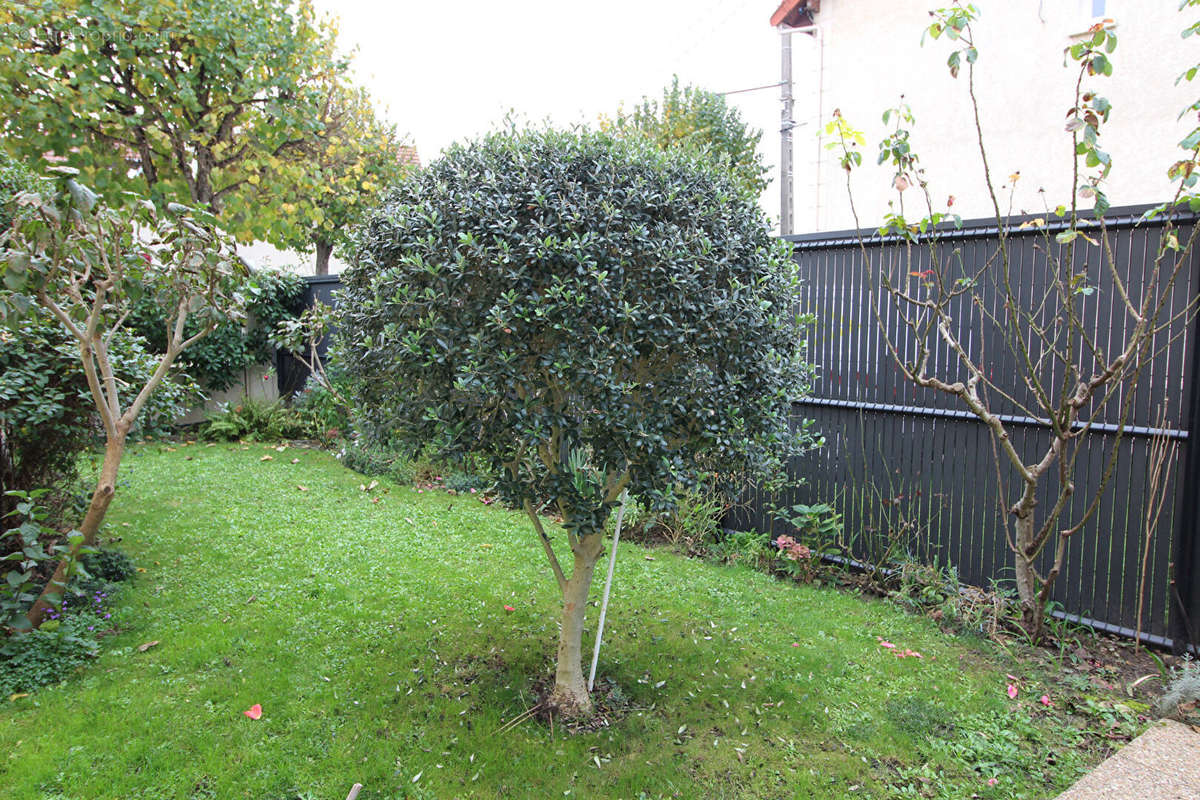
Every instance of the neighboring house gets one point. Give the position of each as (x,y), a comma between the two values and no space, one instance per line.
(860,56)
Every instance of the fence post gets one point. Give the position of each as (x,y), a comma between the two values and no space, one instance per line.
(1184,595)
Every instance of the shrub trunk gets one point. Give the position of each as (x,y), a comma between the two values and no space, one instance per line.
(106,487)
(570,695)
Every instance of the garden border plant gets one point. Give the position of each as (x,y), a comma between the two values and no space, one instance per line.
(1065,376)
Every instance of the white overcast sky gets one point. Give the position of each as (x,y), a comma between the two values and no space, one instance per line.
(448,71)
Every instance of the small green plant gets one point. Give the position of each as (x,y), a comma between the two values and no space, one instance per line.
(46,655)
(323,410)
(372,459)
(1182,699)
(818,526)
(694,521)
(255,420)
(107,564)
(461,482)
(24,577)
(744,547)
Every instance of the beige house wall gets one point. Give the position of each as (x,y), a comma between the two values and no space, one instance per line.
(867,53)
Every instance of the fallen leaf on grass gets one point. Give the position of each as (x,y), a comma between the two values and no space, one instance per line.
(302,488)
(1012,691)
(295,461)
(254,711)
(267,458)
(146,646)
(649,558)
(509,608)
(12,698)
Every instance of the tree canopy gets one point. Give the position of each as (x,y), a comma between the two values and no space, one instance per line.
(191,102)
(691,117)
(347,168)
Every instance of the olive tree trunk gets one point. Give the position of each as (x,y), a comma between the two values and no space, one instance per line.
(570,695)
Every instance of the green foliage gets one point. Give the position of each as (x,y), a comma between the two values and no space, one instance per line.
(190,102)
(372,459)
(323,410)
(255,420)
(218,360)
(465,482)
(356,157)
(751,548)
(14,179)
(30,558)
(1181,700)
(47,417)
(109,565)
(577,307)
(693,118)
(45,656)
(818,527)
(693,519)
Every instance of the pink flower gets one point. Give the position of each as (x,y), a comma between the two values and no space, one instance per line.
(795,644)
(254,711)
(1045,700)
(1012,691)
(509,608)
(888,645)
(992,781)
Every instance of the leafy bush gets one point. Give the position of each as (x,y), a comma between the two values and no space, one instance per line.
(744,547)
(217,360)
(26,566)
(818,527)
(370,458)
(322,410)
(46,411)
(46,655)
(693,521)
(460,482)
(256,420)
(14,178)
(109,565)
(693,118)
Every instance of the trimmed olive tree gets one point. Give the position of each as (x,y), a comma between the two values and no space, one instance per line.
(594,315)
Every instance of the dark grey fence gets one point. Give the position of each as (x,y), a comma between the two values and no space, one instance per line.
(291,373)
(912,471)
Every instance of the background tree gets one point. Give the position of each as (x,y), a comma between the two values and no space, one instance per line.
(86,264)
(696,118)
(591,314)
(345,170)
(192,102)
(1002,345)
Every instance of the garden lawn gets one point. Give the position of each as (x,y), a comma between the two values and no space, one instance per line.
(372,628)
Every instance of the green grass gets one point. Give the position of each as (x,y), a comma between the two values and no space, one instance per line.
(375,637)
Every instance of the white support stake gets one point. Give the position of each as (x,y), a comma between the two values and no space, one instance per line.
(612,564)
